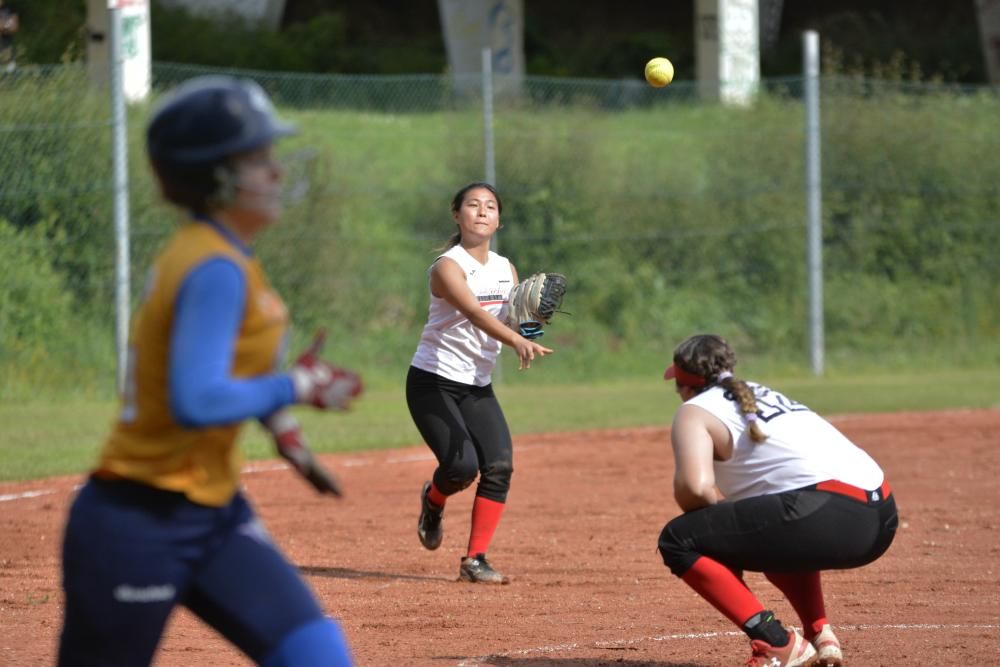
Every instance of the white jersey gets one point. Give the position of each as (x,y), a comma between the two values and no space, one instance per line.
(801,448)
(450,345)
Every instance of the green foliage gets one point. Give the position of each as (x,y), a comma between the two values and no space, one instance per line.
(35,305)
(46,344)
(51,31)
(320,43)
(55,215)
(562,37)
(669,218)
(61,177)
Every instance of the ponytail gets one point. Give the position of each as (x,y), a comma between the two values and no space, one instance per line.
(452,241)
(706,360)
(746,401)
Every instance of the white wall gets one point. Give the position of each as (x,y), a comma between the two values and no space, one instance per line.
(267,13)
(727,50)
(469,26)
(136,47)
(988,12)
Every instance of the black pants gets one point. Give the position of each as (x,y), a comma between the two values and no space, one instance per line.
(465,428)
(795,531)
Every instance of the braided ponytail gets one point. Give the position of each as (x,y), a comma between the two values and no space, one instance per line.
(747,402)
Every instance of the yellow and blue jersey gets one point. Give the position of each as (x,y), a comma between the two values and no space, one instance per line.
(152,443)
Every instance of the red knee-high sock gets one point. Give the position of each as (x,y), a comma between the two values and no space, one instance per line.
(435,496)
(720,586)
(485,517)
(805,592)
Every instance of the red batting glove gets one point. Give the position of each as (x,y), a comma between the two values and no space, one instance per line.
(320,384)
(292,446)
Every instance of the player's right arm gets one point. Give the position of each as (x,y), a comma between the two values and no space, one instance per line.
(694,451)
(448,282)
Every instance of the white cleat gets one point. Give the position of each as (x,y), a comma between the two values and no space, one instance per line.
(827,647)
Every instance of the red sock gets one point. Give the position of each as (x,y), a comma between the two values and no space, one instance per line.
(805,592)
(485,517)
(435,496)
(723,589)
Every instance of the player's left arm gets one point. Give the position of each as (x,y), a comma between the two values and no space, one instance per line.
(207,316)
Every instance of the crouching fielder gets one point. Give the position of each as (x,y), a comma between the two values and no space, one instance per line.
(766,485)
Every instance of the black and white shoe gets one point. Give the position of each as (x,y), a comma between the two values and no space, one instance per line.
(429,524)
(477,570)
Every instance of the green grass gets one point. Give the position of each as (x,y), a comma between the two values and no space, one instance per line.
(40,439)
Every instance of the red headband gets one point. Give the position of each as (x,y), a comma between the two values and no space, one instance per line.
(674,372)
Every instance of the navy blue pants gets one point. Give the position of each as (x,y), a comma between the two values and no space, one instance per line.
(466,429)
(796,531)
(131,553)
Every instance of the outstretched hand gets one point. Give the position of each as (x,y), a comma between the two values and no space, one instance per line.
(527,349)
(321,384)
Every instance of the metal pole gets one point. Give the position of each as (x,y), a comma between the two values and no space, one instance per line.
(120,172)
(814,198)
(489,167)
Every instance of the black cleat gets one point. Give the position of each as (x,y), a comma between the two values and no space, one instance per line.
(477,570)
(429,525)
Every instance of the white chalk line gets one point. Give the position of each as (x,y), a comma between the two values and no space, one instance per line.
(27,494)
(254,468)
(265,467)
(612,643)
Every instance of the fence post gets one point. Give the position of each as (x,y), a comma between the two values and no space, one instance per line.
(120,171)
(814,198)
(489,158)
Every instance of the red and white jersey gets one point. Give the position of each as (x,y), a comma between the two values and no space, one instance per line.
(450,345)
(801,448)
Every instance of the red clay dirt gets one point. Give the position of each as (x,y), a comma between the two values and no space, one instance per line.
(579,539)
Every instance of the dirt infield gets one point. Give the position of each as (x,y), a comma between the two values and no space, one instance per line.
(578,538)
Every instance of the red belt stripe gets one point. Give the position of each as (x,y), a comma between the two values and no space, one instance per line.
(833,486)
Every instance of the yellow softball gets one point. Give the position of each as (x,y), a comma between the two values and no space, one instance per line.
(659,72)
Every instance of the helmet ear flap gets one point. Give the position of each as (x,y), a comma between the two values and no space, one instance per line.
(227,182)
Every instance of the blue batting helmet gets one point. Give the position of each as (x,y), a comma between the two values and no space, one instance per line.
(209,118)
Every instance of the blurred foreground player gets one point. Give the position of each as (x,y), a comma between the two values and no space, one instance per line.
(161,520)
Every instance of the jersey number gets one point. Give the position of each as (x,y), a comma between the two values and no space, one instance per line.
(771,404)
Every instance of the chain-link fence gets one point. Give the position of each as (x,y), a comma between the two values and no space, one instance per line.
(670,215)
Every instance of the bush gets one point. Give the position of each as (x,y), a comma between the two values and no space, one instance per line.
(45,342)
(668,218)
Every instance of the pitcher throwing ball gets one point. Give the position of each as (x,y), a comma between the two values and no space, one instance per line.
(449,388)
(766,485)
